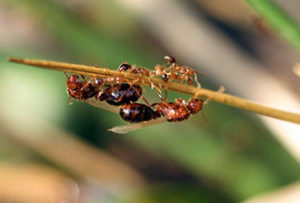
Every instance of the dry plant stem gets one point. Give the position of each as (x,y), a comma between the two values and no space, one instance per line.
(142,80)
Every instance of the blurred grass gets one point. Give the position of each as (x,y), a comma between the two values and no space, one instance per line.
(283,24)
(233,156)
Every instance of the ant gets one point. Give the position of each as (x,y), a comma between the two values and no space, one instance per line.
(180,73)
(143,72)
(140,71)
(80,90)
(116,94)
(179,110)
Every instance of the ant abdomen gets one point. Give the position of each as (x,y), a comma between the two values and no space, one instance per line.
(136,112)
(173,111)
(119,94)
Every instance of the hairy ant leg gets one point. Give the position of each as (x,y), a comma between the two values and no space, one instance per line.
(196,80)
(220,90)
(143,98)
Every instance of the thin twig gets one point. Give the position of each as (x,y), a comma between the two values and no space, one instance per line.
(143,80)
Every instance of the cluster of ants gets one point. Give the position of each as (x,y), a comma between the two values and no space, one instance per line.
(116,91)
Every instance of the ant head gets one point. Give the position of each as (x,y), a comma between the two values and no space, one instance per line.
(195,105)
(170,59)
(73,79)
(124,67)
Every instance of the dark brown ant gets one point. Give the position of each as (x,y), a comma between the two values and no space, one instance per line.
(136,112)
(80,90)
(117,91)
(119,94)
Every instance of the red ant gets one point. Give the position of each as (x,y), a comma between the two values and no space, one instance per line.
(140,71)
(179,110)
(181,73)
(80,90)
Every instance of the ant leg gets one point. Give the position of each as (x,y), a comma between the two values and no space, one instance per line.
(160,95)
(70,101)
(158,90)
(196,80)
(166,95)
(220,90)
(87,83)
(143,98)
(204,116)
(66,74)
(84,78)
(172,66)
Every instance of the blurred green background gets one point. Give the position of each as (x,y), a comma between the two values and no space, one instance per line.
(232,157)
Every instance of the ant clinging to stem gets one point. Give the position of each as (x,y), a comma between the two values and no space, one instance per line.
(173,72)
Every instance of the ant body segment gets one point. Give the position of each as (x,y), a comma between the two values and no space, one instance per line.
(119,94)
(136,112)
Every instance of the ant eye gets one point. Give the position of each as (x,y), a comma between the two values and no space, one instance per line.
(124,67)
(165,77)
(98,81)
